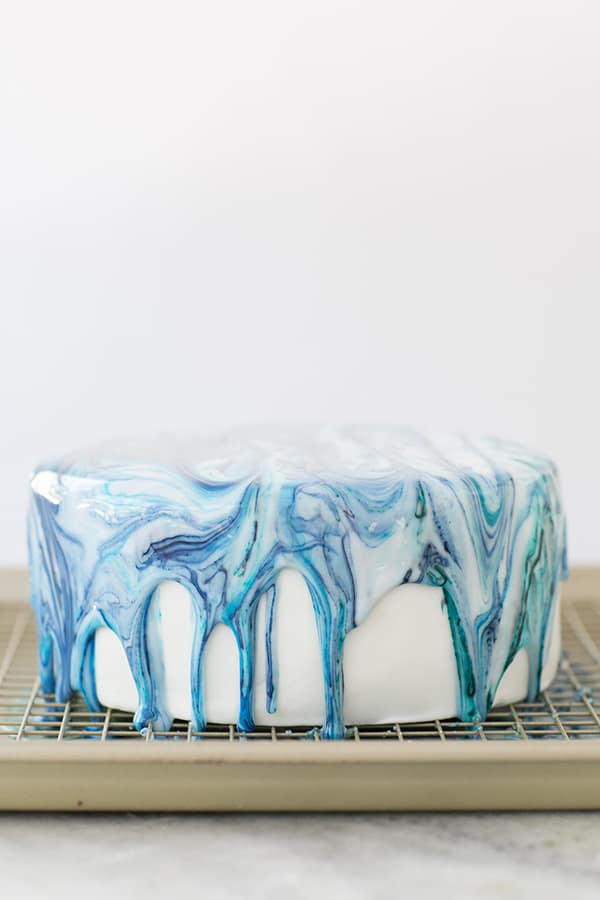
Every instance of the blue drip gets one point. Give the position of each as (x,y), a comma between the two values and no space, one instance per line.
(271,677)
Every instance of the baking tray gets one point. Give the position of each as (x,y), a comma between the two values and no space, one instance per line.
(540,755)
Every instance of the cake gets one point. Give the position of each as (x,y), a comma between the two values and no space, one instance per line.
(298,577)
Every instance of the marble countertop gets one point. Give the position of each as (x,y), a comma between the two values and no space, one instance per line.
(475,855)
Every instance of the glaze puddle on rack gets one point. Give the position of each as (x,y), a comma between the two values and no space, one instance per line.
(537,755)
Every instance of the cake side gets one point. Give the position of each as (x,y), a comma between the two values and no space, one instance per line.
(356,513)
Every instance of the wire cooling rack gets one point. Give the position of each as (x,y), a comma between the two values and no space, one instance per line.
(567,711)
(538,755)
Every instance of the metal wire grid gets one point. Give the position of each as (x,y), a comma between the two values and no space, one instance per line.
(567,711)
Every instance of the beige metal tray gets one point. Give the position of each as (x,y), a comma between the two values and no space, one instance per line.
(540,755)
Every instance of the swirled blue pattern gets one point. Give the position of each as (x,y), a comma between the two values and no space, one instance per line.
(357,511)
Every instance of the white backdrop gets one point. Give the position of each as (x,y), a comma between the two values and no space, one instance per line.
(226,212)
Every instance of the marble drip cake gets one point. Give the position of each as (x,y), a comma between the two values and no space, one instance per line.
(325,577)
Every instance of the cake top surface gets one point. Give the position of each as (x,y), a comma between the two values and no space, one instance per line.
(295,453)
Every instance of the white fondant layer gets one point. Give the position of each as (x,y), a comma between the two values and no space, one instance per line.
(399,663)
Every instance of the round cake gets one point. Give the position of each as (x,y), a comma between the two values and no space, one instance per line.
(325,577)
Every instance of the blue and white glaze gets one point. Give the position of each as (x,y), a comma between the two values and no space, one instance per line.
(357,511)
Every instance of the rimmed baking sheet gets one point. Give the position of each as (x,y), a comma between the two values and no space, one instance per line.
(539,755)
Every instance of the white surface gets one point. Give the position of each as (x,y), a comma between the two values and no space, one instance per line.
(327,210)
(367,857)
(399,663)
